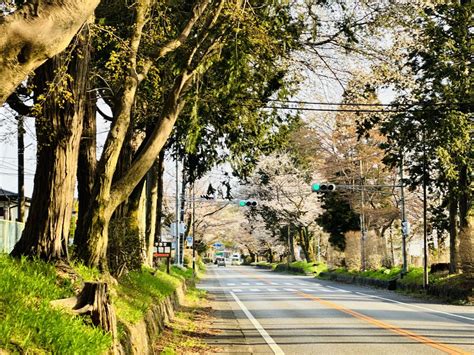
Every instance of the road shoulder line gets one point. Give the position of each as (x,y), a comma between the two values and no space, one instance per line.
(268,339)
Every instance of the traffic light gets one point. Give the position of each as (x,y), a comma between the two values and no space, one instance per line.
(322,187)
(247,203)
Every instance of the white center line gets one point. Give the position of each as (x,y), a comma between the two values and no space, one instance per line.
(254,290)
(260,284)
(289,289)
(237,290)
(269,340)
(275,283)
(230,284)
(288,283)
(307,290)
(245,284)
(272,289)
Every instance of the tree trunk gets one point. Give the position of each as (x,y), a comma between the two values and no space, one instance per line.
(453,232)
(159,202)
(94,300)
(59,130)
(466,217)
(151,211)
(86,166)
(37,31)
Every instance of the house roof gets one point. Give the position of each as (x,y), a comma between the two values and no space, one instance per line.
(6,195)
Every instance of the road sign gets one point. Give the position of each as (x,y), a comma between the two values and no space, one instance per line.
(163,250)
(181,228)
(406,227)
(189,240)
(217,245)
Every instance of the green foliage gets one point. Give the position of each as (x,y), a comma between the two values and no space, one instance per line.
(28,323)
(302,267)
(338,218)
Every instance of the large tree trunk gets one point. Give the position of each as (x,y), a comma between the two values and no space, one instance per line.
(37,31)
(151,211)
(453,232)
(466,217)
(159,202)
(87,163)
(58,132)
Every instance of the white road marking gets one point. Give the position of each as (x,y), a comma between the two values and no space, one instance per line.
(414,305)
(237,290)
(323,290)
(269,340)
(288,283)
(302,284)
(230,284)
(289,289)
(307,290)
(272,290)
(254,290)
(260,284)
(338,289)
(275,283)
(245,284)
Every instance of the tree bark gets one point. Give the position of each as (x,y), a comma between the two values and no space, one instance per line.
(159,202)
(151,211)
(87,163)
(37,31)
(466,218)
(59,130)
(453,231)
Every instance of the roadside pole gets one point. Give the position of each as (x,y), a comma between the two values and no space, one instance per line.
(194,232)
(425,226)
(362,217)
(404,221)
(177,237)
(289,253)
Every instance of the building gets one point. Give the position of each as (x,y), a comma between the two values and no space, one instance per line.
(9,205)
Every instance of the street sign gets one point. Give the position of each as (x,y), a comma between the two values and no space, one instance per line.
(189,240)
(406,227)
(181,228)
(217,245)
(163,250)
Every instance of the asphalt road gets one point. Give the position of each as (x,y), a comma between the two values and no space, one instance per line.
(260,311)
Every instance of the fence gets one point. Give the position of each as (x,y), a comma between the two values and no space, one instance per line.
(10,233)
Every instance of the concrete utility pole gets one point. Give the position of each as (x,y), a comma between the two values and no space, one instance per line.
(177,250)
(21,170)
(404,221)
(425,226)
(362,216)
(194,231)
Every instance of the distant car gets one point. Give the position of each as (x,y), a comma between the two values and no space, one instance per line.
(221,262)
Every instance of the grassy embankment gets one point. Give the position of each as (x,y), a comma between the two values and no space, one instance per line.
(452,288)
(28,322)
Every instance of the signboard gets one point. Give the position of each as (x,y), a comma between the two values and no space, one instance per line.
(189,240)
(163,250)
(167,238)
(217,245)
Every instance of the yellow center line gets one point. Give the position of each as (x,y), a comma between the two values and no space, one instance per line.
(406,333)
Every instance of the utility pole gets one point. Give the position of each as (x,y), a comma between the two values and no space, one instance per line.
(362,216)
(181,215)
(21,170)
(289,253)
(177,257)
(404,221)
(425,227)
(194,231)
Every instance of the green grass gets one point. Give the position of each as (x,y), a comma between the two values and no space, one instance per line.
(27,321)
(139,289)
(303,267)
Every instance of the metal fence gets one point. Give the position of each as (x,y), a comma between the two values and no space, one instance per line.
(10,233)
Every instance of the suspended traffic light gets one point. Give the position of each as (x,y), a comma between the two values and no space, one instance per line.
(247,203)
(322,187)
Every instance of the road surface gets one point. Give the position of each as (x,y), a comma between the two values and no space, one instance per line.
(260,311)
